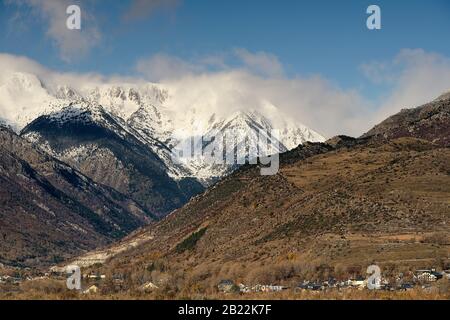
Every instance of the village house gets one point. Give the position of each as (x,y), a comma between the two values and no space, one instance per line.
(359,282)
(313,286)
(426,275)
(331,283)
(270,288)
(94,276)
(57,270)
(243,288)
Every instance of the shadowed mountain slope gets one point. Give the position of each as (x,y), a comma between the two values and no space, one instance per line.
(51,211)
(103,148)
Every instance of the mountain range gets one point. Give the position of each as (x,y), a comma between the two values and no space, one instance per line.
(146,111)
(91,174)
(333,209)
(98,160)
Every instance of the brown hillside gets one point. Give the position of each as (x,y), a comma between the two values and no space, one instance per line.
(337,207)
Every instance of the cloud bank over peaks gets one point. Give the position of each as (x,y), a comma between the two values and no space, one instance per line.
(243,81)
(415,77)
(161,67)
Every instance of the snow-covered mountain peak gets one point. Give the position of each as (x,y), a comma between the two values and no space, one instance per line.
(80,111)
(65,92)
(156,114)
(125,99)
(22,81)
(23,97)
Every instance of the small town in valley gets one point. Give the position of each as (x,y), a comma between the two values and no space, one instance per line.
(425,280)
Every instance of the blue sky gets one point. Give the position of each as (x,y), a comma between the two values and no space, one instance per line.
(303,39)
(326,37)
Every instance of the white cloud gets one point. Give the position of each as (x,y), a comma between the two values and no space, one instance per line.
(414,76)
(314,102)
(162,67)
(257,79)
(72,44)
(260,62)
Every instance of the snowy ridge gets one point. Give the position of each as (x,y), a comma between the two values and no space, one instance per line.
(150,113)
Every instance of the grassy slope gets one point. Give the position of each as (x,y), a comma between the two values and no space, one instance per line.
(332,213)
